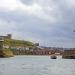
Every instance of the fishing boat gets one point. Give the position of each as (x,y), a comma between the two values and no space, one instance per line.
(53,57)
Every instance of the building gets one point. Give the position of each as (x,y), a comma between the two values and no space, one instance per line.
(69,54)
(5,37)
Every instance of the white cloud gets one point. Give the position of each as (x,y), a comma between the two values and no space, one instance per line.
(46,10)
(12,5)
(8,5)
(70,3)
(35,9)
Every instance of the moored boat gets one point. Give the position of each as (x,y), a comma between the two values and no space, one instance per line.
(53,57)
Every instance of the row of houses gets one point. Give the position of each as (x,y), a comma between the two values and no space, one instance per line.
(36,52)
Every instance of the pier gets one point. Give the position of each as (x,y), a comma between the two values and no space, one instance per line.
(69,54)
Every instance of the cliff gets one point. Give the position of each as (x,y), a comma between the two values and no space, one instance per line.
(6,53)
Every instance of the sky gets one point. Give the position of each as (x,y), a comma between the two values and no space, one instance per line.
(48,22)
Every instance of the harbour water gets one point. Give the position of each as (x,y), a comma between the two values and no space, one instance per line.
(36,65)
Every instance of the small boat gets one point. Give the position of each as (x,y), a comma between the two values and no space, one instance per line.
(53,57)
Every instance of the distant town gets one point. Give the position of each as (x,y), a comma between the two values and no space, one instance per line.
(10,47)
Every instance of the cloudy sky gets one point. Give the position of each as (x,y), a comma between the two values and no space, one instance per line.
(49,22)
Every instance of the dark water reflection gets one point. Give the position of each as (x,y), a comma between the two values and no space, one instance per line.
(36,65)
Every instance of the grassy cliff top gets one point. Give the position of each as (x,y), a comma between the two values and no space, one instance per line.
(18,42)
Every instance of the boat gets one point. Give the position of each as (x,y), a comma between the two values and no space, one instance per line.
(53,57)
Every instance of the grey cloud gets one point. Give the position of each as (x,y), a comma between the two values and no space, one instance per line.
(53,34)
(27,2)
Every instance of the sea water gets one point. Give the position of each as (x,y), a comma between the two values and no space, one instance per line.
(36,65)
